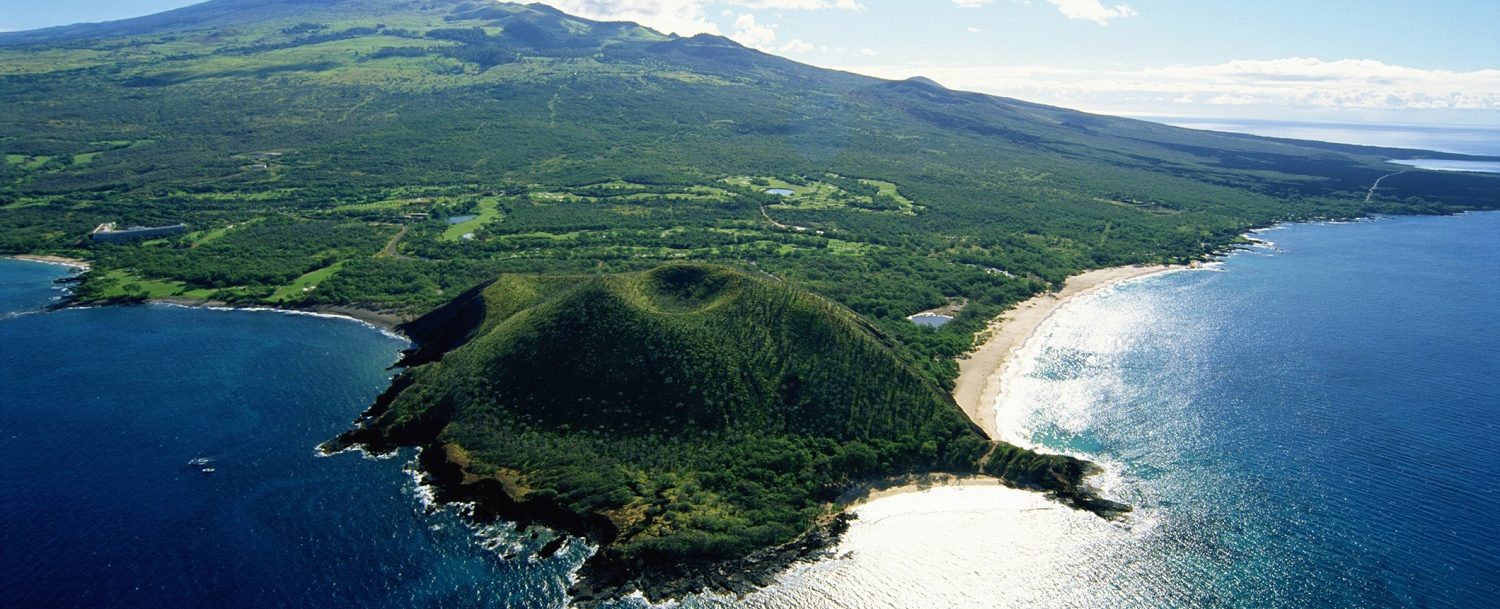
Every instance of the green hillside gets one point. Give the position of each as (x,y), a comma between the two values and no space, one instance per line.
(683,418)
(587,147)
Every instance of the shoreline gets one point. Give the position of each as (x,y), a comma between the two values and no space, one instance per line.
(76,263)
(978,386)
(384,321)
(914,484)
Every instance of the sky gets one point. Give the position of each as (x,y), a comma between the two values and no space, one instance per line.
(1402,61)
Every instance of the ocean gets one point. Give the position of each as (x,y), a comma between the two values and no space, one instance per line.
(112,417)
(1478,140)
(1309,424)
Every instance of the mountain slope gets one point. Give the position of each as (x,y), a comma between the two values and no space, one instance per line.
(215,14)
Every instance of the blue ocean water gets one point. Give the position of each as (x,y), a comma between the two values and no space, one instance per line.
(1442,165)
(27,287)
(1306,425)
(104,412)
(1465,139)
(1313,424)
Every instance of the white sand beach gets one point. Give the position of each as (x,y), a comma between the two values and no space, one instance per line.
(980,372)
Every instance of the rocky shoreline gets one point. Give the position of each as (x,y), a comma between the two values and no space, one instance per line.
(606,576)
(388,321)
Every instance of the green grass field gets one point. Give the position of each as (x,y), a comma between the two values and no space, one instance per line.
(888,189)
(27,161)
(387,204)
(485,212)
(814,194)
(123,284)
(306,283)
(201,237)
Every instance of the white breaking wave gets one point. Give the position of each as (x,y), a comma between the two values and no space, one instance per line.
(362,322)
(358,449)
(964,547)
(1068,365)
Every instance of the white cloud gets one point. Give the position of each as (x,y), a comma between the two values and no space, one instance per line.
(1228,100)
(688,17)
(683,17)
(868,52)
(972,3)
(752,34)
(806,5)
(1357,83)
(1303,83)
(796,46)
(1092,10)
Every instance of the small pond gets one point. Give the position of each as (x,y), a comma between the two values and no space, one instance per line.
(461,219)
(931,320)
(781,192)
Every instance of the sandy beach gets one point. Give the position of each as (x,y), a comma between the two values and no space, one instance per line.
(980,372)
(912,484)
(65,261)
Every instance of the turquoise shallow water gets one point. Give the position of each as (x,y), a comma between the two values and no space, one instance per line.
(1310,424)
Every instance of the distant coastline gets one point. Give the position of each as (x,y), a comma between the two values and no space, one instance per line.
(385,321)
(1474,140)
(1450,165)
